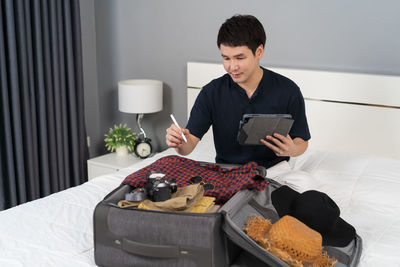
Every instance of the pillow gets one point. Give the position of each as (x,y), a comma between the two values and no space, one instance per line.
(297,180)
(277,169)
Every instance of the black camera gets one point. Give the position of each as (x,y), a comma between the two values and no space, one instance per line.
(158,187)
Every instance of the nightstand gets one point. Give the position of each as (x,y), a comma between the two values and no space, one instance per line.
(109,163)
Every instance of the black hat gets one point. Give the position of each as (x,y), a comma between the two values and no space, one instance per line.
(318,211)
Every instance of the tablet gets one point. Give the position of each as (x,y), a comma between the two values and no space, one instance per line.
(254,127)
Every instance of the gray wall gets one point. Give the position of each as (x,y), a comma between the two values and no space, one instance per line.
(153,39)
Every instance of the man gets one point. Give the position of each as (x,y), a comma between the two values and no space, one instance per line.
(246,88)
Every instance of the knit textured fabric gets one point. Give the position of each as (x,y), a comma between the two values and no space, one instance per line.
(290,240)
(296,238)
(226,181)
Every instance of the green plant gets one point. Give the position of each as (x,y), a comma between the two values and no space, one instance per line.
(120,136)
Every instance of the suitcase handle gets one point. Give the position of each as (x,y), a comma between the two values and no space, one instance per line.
(150,250)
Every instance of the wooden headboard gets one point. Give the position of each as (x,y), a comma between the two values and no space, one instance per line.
(349,112)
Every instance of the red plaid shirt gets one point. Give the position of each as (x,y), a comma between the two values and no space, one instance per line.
(226,181)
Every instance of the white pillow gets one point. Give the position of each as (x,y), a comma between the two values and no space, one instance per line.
(277,169)
(298,180)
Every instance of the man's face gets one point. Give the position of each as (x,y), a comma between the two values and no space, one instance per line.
(240,62)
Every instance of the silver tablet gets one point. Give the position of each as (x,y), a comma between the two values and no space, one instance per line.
(254,127)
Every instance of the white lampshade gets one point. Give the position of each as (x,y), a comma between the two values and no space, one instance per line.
(140,96)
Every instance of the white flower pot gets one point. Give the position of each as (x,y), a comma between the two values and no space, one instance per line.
(122,151)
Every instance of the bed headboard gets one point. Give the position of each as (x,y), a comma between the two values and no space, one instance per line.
(349,112)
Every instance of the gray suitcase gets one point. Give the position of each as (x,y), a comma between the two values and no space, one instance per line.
(133,237)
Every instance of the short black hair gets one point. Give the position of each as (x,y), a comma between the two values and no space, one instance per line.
(242,30)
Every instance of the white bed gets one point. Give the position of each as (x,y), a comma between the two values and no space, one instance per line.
(362,178)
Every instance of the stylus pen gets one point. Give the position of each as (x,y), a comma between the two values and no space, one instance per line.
(176,123)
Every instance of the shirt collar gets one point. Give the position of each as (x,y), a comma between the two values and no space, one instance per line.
(258,90)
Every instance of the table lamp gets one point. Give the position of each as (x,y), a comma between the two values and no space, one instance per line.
(140,97)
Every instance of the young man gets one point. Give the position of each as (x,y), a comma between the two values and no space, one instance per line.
(246,88)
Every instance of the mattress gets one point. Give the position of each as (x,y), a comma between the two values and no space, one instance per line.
(58,230)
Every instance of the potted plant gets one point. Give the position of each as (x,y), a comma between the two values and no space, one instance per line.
(121,139)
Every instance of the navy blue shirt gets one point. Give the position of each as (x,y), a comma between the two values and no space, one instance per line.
(222,103)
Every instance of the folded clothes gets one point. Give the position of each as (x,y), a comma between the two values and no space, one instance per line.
(203,205)
(189,199)
(225,181)
(128,204)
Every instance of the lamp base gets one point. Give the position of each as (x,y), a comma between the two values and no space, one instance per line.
(139,118)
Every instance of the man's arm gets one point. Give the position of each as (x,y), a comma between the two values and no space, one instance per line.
(286,146)
(174,139)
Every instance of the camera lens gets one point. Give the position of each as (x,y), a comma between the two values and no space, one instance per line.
(208,187)
(196,179)
(161,194)
(172,184)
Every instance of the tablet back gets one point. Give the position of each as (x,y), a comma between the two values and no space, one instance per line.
(254,127)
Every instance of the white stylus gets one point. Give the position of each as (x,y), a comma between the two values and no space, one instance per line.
(176,123)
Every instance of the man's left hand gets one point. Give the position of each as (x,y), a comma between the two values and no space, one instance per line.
(284,146)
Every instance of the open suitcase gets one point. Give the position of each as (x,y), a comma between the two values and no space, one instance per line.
(237,210)
(133,237)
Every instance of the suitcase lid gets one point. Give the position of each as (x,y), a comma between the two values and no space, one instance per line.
(247,202)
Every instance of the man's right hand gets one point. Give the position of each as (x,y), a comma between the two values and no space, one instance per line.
(174,139)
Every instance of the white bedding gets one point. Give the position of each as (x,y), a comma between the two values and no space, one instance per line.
(58,230)
(366,188)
